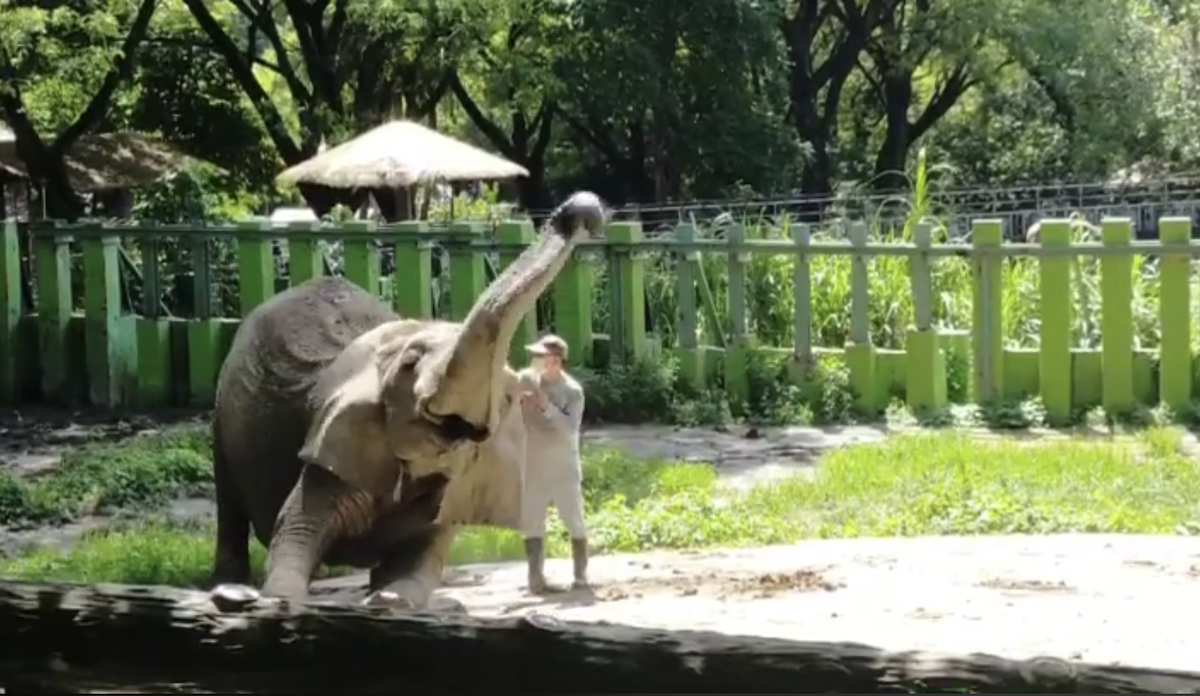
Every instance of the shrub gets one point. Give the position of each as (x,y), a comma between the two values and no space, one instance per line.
(145,471)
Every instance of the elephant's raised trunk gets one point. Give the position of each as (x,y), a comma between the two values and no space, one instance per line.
(480,353)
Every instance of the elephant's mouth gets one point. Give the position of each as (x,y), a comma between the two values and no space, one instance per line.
(424,494)
(454,429)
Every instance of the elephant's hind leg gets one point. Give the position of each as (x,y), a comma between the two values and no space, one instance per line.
(411,570)
(231,561)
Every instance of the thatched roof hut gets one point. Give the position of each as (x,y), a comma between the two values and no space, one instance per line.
(104,161)
(400,154)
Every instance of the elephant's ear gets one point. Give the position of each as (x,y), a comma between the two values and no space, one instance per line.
(488,491)
(346,434)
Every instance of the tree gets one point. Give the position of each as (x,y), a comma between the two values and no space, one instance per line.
(933,37)
(663,90)
(516,54)
(1042,108)
(184,92)
(355,64)
(824,40)
(46,59)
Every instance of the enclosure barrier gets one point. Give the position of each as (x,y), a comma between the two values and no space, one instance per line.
(111,354)
(61,638)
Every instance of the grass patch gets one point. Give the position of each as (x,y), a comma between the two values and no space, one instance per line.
(919,484)
(145,471)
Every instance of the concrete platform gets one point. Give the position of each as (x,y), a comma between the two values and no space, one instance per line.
(1110,599)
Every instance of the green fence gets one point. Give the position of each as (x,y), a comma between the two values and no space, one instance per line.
(79,338)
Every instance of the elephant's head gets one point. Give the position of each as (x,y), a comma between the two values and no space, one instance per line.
(419,390)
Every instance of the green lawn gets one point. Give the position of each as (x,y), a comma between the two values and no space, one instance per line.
(919,484)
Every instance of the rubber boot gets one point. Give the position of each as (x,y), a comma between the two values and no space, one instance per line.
(535,555)
(579,556)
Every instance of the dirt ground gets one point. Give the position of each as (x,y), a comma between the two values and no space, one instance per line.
(1109,599)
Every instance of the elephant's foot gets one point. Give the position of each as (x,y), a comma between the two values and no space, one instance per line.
(224,575)
(289,569)
(286,584)
(392,600)
(230,567)
(406,594)
(408,574)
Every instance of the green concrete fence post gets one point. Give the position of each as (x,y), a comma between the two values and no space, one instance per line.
(631,292)
(741,344)
(860,354)
(203,332)
(10,304)
(306,260)
(52,256)
(101,317)
(688,352)
(361,254)
(572,292)
(926,371)
(987,329)
(1175,314)
(256,265)
(802,337)
(467,273)
(413,279)
(153,381)
(1055,365)
(1116,317)
(520,232)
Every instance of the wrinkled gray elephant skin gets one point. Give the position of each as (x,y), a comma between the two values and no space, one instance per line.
(344,434)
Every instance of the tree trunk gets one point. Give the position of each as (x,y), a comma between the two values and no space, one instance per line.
(892,157)
(47,173)
(532,190)
(61,638)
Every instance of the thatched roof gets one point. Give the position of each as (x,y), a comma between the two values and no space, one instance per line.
(101,161)
(7,173)
(399,154)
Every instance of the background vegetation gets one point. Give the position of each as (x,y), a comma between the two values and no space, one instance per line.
(648,104)
(644,102)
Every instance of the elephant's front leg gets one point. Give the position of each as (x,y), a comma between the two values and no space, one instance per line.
(411,570)
(320,510)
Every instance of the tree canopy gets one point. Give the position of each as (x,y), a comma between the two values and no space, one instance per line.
(643,101)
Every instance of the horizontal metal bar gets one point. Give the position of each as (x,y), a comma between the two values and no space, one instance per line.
(755,246)
(440,237)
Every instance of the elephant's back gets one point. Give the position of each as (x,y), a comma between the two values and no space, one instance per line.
(261,411)
(301,330)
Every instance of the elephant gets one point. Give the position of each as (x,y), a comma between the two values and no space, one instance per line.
(348,435)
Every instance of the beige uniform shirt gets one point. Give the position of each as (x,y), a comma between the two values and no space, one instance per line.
(552,440)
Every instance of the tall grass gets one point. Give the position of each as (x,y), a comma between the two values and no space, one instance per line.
(770,299)
(769,295)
